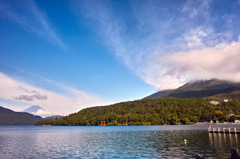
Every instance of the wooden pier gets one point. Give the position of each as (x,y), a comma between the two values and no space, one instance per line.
(224,130)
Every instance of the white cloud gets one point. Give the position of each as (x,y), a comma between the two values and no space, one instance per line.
(42,112)
(194,38)
(72,100)
(168,46)
(29,17)
(178,68)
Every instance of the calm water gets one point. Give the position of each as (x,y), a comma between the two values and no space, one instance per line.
(114,142)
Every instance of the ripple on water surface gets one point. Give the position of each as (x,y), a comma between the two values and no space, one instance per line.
(115,141)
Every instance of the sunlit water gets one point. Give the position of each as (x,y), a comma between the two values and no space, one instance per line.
(115,142)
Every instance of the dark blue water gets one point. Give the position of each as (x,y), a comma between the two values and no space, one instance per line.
(114,142)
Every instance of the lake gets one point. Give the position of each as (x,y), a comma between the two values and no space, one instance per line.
(115,142)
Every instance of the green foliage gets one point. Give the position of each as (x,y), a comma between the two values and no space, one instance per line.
(162,111)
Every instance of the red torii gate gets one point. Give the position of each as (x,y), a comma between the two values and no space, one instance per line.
(103,123)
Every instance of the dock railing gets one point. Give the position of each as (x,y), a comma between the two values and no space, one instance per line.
(223,130)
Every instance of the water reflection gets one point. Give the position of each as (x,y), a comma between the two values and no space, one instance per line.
(109,142)
(219,142)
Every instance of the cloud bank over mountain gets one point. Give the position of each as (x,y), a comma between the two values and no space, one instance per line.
(39,111)
(168,44)
(217,62)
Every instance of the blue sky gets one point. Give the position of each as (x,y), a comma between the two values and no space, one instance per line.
(68,55)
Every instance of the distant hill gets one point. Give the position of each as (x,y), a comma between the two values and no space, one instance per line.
(53,117)
(9,117)
(37,110)
(202,88)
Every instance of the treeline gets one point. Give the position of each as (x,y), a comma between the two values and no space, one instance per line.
(164,111)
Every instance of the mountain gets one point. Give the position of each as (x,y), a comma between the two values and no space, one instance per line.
(33,109)
(161,111)
(202,88)
(9,117)
(37,110)
(186,105)
(53,117)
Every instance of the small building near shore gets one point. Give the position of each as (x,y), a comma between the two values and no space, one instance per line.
(237,121)
(225,100)
(230,114)
(214,102)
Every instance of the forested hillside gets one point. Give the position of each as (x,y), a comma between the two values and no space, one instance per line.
(152,112)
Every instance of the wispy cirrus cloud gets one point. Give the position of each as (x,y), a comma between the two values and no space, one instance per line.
(163,43)
(107,25)
(196,8)
(27,14)
(69,100)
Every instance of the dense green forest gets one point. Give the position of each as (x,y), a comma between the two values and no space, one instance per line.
(163,111)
